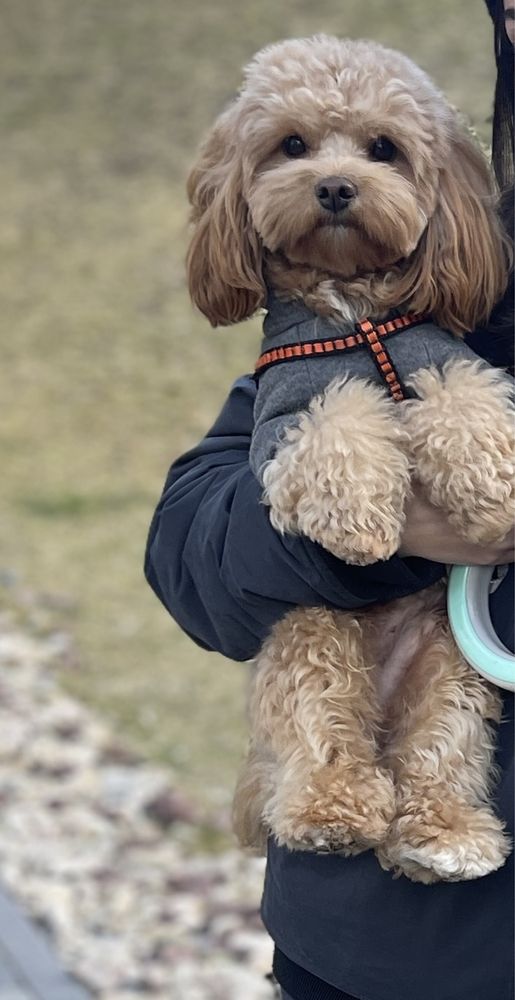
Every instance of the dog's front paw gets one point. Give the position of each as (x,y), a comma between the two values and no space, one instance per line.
(341,476)
(452,843)
(481,503)
(341,809)
(365,547)
(490,516)
(462,440)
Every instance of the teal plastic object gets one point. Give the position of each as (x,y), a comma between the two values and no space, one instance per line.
(469,616)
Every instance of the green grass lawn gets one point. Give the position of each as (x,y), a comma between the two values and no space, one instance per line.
(107,373)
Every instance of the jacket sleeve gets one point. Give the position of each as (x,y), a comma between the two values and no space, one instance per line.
(224,574)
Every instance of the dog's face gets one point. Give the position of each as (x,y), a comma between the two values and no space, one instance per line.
(341,145)
(343,156)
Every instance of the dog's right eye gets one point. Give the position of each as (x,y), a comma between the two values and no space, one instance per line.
(294,146)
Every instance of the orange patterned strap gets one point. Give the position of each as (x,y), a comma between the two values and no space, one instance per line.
(367,334)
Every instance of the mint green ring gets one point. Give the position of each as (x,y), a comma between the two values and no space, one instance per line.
(469,616)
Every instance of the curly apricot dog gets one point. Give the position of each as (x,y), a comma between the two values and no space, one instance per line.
(341,191)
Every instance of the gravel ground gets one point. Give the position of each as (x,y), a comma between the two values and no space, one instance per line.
(99,847)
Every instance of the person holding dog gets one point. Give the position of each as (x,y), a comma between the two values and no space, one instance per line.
(343,929)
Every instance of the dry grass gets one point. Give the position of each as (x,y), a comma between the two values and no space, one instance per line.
(106,372)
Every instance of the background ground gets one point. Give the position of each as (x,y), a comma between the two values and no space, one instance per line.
(106,373)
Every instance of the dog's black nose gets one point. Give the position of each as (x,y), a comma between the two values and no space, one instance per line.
(335,193)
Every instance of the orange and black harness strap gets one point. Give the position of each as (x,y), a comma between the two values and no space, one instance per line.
(367,334)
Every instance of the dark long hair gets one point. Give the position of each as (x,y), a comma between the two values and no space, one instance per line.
(502,132)
(496,343)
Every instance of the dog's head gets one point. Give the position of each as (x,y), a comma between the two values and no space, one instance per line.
(343,156)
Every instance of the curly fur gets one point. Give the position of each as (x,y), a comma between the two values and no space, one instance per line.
(414,227)
(461,441)
(343,475)
(440,749)
(367,729)
(321,725)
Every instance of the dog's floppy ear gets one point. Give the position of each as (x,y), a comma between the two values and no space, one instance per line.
(224,260)
(462,260)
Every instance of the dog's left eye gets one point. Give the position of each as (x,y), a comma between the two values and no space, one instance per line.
(383,149)
(294,146)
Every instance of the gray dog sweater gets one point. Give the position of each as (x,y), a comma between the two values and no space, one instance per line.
(302,353)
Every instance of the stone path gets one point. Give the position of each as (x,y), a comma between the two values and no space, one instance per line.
(100,849)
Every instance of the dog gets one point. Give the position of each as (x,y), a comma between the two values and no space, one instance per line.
(342,193)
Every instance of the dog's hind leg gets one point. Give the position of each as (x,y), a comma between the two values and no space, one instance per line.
(440,749)
(314,712)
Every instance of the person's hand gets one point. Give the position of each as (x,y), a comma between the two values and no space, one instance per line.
(428,534)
